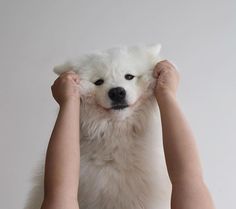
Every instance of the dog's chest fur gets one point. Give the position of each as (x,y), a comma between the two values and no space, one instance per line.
(122,166)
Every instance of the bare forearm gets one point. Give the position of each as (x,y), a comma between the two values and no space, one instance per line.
(188,188)
(179,144)
(63,155)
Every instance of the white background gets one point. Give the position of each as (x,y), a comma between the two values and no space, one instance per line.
(199,36)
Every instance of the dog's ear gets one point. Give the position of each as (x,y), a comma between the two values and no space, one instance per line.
(154,49)
(154,52)
(85,86)
(67,66)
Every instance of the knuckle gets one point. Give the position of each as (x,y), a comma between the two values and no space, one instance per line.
(68,76)
(159,68)
(164,62)
(65,74)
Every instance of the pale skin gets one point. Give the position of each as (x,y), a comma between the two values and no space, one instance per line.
(188,188)
(63,155)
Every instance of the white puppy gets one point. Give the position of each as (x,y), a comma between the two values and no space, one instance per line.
(122,158)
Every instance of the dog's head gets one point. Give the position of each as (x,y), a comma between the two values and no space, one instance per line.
(116,80)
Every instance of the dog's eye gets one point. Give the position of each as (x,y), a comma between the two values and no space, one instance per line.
(99,82)
(129,77)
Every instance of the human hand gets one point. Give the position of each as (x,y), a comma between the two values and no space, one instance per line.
(167,79)
(66,88)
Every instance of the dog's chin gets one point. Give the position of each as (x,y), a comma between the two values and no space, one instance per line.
(119,107)
(115,108)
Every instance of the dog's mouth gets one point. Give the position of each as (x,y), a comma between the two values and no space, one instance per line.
(119,106)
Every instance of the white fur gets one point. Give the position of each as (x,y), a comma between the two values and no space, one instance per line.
(122,159)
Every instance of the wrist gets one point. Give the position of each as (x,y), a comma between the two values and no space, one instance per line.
(164,96)
(70,101)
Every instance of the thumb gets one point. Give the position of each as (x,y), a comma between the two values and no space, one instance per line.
(157,70)
(77,80)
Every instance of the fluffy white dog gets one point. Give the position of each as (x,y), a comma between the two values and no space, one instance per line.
(122,158)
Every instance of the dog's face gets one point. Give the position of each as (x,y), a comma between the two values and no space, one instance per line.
(116,79)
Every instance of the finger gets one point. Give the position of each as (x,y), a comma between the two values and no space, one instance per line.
(77,80)
(171,64)
(158,68)
(71,75)
(69,71)
(163,62)
(162,66)
(174,65)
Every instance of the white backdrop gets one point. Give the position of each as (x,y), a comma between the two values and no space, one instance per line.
(199,36)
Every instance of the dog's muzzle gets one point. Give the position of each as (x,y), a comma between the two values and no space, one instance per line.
(117,96)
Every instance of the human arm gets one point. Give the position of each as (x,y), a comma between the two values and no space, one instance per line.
(188,188)
(63,154)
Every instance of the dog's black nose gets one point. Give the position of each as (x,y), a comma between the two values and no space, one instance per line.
(117,94)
